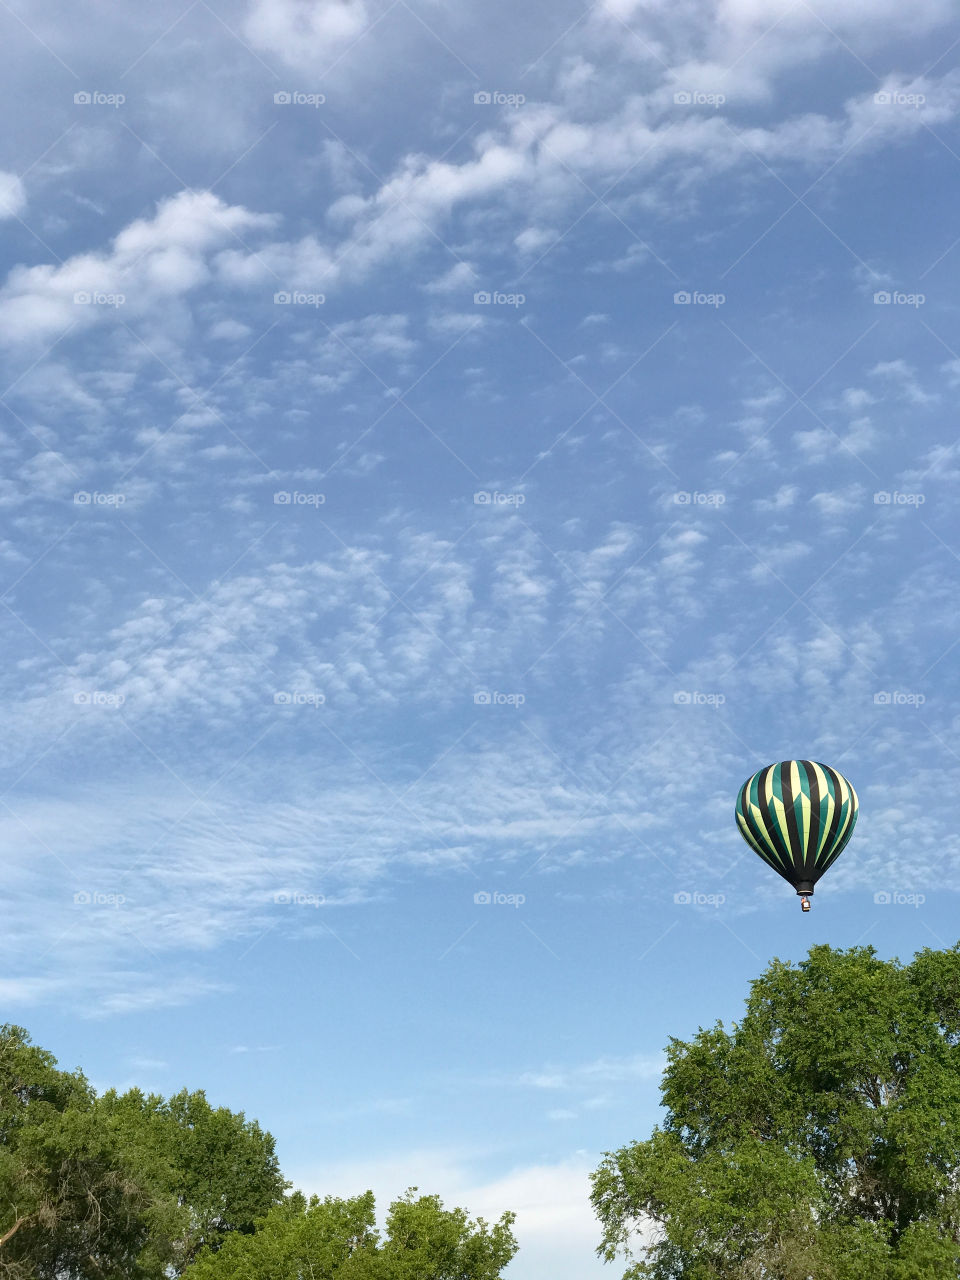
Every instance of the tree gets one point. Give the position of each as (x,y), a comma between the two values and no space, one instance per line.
(139,1187)
(820,1137)
(336,1239)
(121,1186)
(72,1200)
(218,1167)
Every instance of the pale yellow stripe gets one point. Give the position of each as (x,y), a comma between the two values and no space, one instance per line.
(779,812)
(804,802)
(777,809)
(847,793)
(765,844)
(824,787)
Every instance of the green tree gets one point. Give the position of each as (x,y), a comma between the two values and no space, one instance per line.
(124,1187)
(819,1137)
(219,1168)
(335,1239)
(72,1200)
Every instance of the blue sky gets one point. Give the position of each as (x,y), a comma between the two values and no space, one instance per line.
(324,615)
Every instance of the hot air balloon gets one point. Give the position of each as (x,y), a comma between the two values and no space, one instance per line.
(798,816)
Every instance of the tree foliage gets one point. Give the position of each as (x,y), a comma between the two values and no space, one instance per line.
(136,1186)
(219,1169)
(334,1239)
(819,1137)
(120,1185)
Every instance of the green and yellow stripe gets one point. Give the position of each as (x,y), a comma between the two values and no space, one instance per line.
(798,815)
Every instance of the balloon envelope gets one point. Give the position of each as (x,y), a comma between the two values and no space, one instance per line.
(798,816)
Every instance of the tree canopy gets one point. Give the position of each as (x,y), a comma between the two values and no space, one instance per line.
(819,1137)
(336,1239)
(136,1186)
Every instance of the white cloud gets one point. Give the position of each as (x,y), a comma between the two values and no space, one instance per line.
(820,444)
(305,34)
(13,197)
(901,377)
(531,166)
(152,261)
(376,335)
(556,1227)
(137,993)
(839,503)
(608,1070)
(451,323)
(230,331)
(763,34)
(31,991)
(784,497)
(533,239)
(461,278)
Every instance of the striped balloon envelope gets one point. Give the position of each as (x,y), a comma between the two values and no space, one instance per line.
(798,816)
